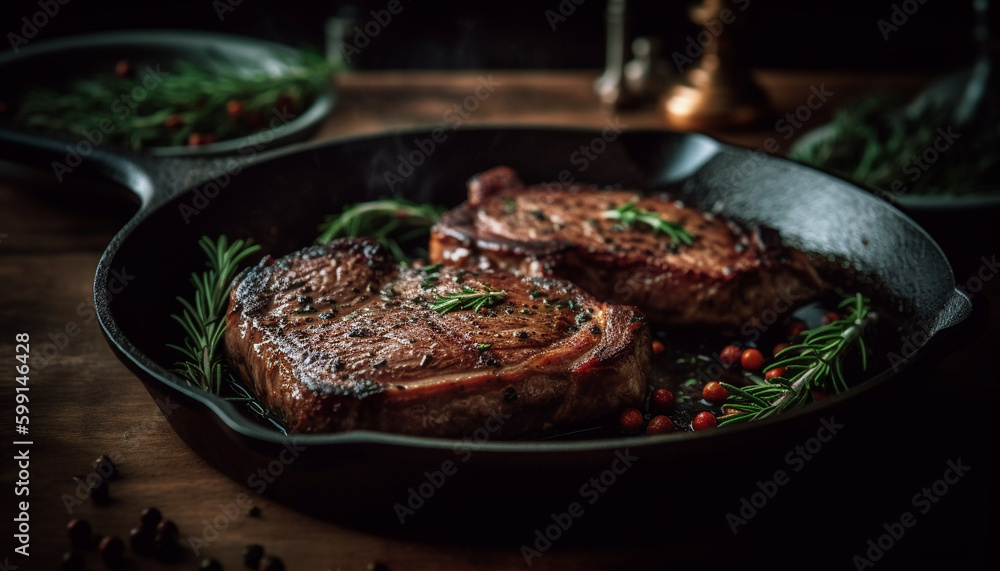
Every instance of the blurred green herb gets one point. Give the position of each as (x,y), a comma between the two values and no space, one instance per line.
(396,223)
(878,143)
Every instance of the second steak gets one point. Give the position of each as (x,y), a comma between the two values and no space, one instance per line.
(724,278)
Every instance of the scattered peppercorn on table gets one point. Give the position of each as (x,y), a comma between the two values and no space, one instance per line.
(86,408)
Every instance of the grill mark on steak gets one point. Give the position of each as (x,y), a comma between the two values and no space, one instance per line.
(726,278)
(391,363)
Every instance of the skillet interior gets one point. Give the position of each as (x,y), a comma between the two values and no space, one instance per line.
(280,200)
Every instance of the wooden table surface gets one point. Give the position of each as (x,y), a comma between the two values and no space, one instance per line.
(84,402)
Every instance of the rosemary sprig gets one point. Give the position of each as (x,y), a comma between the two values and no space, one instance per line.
(467,299)
(629,215)
(814,364)
(394,222)
(203,319)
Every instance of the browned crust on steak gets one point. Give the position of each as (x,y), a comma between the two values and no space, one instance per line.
(548,355)
(729,276)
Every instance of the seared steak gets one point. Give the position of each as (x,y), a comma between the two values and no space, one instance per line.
(727,276)
(341,337)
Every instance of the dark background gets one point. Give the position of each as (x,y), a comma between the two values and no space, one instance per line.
(782,34)
(449,34)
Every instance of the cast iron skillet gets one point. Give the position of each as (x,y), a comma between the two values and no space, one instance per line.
(360,478)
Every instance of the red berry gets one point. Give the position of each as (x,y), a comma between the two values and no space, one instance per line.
(662,399)
(173,122)
(659,425)
(752,360)
(703,421)
(730,354)
(714,392)
(631,421)
(830,317)
(775,372)
(123,68)
(234,109)
(3,107)
(779,348)
(197,139)
(796,327)
(819,395)
(657,347)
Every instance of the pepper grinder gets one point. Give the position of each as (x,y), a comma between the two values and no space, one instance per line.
(716,92)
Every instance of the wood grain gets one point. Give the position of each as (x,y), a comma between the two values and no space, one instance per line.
(85,403)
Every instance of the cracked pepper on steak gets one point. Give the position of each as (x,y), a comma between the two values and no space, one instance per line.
(728,276)
(341,336)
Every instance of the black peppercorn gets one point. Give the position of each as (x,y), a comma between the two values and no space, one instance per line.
(376,566)
(167,530)
(140,539)
(252,555)
(105,467)
(79,532)
(72,561)
(270,563)
(210,565)
(97,488)
(255,511)
(165,547)
(112,549)
(150,517)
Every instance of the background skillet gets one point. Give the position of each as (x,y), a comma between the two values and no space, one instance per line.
(49,63)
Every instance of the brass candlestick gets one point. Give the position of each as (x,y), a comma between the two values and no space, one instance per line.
(715,92)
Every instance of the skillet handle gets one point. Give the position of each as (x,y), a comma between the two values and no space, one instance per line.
(962,319)
(154,180)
